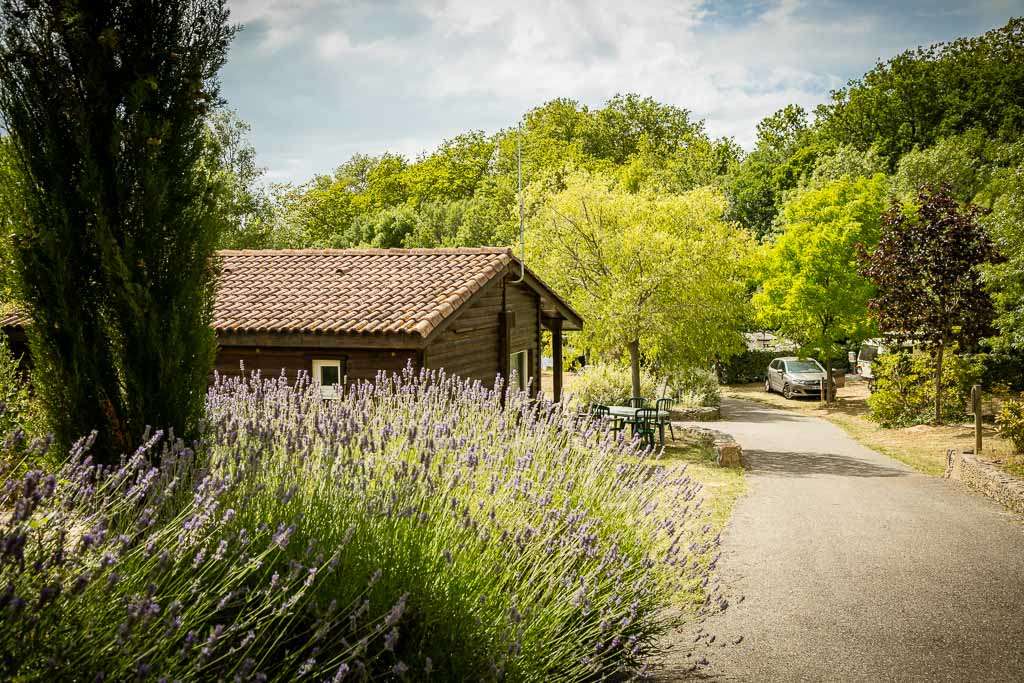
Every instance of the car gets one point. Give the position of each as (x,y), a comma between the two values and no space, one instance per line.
(792,377)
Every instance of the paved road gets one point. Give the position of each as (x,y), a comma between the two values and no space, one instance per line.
(854,567)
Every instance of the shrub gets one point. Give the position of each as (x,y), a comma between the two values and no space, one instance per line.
(746,367)
(1002,368)
(905,389)
(18,412)
(416,524)
(1010,423)
(610,384)
(694,387)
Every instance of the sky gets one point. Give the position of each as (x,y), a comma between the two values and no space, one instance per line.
(321,80)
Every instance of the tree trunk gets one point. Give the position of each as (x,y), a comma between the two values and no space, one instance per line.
(939,353)
(828,382)
(634,365)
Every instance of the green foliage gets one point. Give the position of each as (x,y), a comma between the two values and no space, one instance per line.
(922,95)
(846,161)
(694,387)
(904,392)
(117,215)
(1005,278)
(657,275)
(958,162)
(1010,423)
(464,192)
(610,384)
(17,410)
(244,205)
(811,290)
(783,154)
(746,367)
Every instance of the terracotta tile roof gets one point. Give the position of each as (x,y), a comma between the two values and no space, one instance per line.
(349,291)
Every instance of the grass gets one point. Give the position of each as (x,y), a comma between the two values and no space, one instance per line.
(922,447)
(721,487)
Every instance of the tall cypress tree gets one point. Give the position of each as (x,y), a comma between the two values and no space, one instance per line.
(105,102)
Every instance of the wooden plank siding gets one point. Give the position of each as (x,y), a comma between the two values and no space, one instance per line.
(524,303)
(469,347)
(361,364)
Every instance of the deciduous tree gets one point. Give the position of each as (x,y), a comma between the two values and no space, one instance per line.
(657,277)
(927,279)
(811,290)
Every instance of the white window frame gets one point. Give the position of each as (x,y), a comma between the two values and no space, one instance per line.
(327,392)
(519,365)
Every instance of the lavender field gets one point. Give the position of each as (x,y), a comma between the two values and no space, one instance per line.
(416,528)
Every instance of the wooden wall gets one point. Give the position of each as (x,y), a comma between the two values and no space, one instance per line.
(361,363)
(471,345)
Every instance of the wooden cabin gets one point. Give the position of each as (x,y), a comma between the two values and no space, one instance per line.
(349,313)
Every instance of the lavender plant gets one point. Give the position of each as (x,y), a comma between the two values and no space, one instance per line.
(419,527)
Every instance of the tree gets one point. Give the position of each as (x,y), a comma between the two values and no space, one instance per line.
(244,204)
(960,162)
(453,171)
(810,290)
(1005,278)
(927,279)
(106,105)
(922,95)
(783,154)
(657,277)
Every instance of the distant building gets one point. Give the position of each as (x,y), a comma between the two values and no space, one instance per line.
(766,341)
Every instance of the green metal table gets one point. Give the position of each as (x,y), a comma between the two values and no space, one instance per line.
(628,415)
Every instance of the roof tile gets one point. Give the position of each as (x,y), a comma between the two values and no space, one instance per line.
(349,291)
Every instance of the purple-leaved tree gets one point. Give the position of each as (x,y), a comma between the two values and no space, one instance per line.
(925,271)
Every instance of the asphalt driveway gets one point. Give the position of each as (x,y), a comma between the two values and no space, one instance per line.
(852,566)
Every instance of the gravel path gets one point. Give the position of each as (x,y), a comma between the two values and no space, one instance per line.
(854,567)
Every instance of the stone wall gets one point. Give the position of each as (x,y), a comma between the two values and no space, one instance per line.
(700,414)
(729,452)
(986,478)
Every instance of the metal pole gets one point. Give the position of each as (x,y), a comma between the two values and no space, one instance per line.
(976,407)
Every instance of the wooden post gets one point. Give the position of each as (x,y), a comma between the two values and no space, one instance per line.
(556,352)
(976,407)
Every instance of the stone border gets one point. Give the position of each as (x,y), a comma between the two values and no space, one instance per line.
(700,414)
(986,478)
(729,452)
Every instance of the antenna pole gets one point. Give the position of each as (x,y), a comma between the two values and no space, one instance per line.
(522,230)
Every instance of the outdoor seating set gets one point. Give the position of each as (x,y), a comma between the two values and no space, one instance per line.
(643,420)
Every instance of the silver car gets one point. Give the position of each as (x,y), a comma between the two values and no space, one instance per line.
(794,377)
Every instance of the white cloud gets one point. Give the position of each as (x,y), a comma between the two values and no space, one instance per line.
(397,76)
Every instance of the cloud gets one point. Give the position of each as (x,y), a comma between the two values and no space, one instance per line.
(318,79)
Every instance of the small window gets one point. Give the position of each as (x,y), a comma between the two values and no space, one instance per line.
(519,369)
(329,374)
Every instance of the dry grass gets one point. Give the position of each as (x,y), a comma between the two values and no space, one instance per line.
(922,447)
(721,486)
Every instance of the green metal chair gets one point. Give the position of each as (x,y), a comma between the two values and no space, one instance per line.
(645,425)
(637,402)
(665,405)
(604,413)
